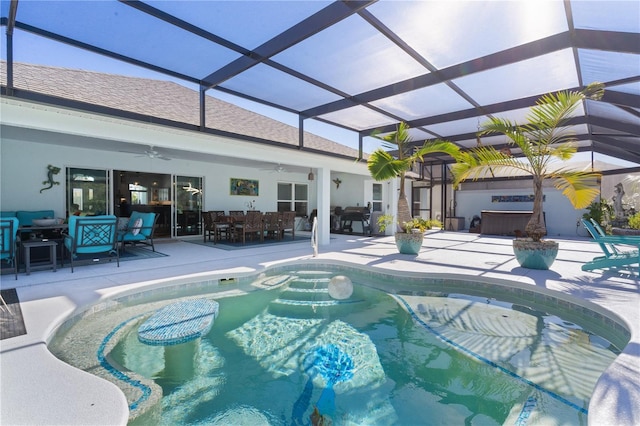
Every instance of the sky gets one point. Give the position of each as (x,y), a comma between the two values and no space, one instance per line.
(33,49)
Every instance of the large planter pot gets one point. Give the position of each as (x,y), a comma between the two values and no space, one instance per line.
(535,255)
(409,243)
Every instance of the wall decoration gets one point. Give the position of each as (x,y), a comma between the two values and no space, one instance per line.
(514,198)
(51,171)
(244,187)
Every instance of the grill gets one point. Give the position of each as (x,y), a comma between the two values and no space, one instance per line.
(358,215)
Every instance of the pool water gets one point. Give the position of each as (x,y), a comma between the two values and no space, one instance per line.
(295,356)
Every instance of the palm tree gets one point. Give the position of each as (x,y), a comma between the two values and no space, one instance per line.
(542,140)
(383,166)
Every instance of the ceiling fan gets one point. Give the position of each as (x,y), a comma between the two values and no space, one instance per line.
(151,153)
(278,168)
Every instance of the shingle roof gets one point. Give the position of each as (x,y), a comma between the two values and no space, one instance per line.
(162,99)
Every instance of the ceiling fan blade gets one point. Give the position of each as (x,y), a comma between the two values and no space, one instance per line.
(278,168)
(149,153)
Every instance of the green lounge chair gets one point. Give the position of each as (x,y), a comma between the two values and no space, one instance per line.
(613,255)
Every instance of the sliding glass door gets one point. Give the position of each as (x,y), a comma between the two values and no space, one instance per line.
(87,191)
(188,196)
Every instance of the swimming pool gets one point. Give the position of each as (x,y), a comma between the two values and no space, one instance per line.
(421,351)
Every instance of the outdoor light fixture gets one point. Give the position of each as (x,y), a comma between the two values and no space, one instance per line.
(310,176)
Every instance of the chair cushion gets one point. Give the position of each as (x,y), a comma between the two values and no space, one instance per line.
(142,232)
(26,217)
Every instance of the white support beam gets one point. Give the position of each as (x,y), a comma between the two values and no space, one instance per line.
(324,206)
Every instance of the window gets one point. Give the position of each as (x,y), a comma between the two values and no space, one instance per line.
(293,196)
(377,197)
(139,194)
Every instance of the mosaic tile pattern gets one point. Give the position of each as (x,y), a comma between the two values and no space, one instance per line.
(179,322)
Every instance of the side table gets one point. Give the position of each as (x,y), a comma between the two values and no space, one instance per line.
(53,259)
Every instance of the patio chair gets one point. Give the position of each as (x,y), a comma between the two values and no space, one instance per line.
(272,225)
(218,225)
(208,227)
(139,230)
(8,239)
(613,255)
(288,223)
(91,235)
(251,225)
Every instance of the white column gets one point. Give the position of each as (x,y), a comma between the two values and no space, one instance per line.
(324,205)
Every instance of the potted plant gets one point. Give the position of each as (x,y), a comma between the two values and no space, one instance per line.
(542,139)
(383,165)
(410,240)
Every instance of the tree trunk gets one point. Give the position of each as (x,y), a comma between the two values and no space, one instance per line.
(404,213)
(536,228)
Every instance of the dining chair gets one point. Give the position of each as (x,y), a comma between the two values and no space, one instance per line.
(288,223)
(271,222)
(222,226)
(251,225)
(208,226)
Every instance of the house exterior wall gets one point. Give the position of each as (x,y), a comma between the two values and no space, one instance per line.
(24,167)
(43,135)
(561,217)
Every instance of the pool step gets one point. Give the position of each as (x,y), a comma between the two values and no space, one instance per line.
(313,303)
(310,308)
(308,294)
(309,282)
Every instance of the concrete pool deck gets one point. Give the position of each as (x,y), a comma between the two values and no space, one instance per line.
(37,388)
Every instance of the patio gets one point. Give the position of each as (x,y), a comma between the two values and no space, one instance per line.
(64,393)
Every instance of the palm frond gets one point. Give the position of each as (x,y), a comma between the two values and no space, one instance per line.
(383,166)
(397,140)
(563,151)
(481,162)
(578,186)
(515,134)
(437,146)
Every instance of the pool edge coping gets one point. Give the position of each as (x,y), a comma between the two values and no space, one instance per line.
(601,390)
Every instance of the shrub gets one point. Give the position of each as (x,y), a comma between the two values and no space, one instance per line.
(634,221)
